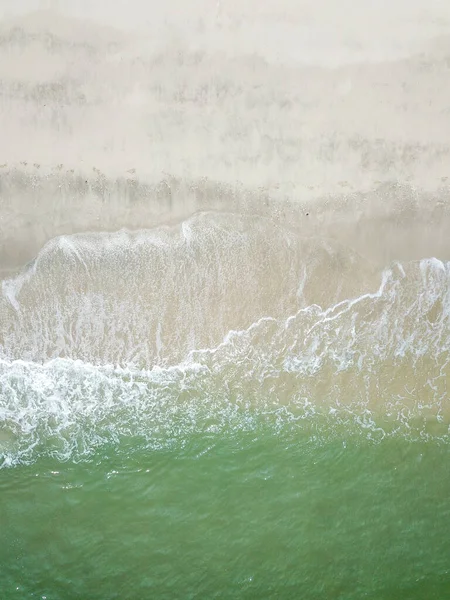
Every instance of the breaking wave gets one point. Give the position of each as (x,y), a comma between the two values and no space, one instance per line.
(221,323)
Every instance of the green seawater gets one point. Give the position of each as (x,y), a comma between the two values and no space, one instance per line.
(263,513)
(223,409)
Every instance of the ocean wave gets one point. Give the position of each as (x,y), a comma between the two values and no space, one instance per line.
(376,364)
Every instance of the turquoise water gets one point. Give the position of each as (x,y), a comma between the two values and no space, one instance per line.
(261,514)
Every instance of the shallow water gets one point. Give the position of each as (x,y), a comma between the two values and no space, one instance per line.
(302,454)
(152,334)
(267,512)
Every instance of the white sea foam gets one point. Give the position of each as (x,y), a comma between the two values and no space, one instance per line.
(378,363)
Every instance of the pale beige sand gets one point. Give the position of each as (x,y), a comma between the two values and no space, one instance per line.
(127,114)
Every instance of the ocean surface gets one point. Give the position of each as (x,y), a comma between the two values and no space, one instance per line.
(224,302)
(180,418)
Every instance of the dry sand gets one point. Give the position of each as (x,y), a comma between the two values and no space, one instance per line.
(331,115)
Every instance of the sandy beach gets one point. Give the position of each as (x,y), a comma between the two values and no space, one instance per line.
(135,114)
